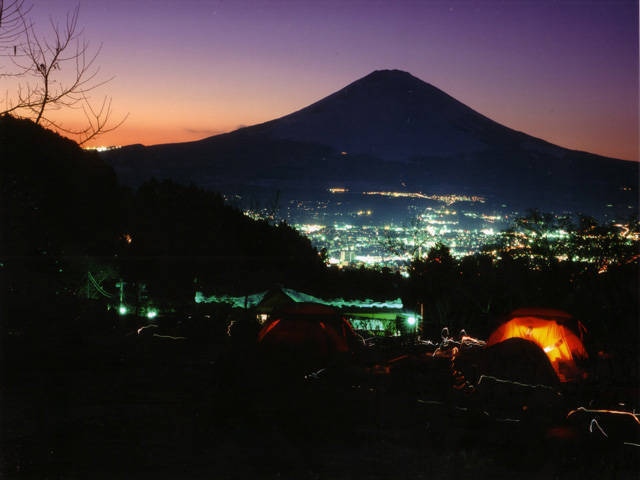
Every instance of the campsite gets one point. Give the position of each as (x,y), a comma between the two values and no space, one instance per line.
(301,394)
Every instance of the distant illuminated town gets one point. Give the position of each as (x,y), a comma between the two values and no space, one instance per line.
(104,148)
(389,229)
(365,229)
(393,245)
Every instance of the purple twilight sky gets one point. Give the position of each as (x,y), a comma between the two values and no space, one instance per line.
(565,71)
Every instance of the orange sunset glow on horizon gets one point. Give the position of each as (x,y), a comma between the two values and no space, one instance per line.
(183,71)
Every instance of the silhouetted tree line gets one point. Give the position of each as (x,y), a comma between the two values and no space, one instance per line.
(64,216)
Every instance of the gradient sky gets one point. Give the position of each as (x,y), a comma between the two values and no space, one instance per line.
(565,71)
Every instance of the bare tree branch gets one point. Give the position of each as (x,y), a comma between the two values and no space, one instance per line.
(54,72)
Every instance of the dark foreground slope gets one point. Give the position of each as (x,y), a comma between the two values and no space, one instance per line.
(390,130)
(122,405)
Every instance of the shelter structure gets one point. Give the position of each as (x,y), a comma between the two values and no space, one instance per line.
(366,316)
(551,331)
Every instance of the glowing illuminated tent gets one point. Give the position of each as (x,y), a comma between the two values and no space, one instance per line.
(549,330)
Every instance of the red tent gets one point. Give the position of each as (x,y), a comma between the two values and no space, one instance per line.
(309,336)
(550,330)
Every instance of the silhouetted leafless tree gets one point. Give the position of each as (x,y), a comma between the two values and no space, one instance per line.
(45,73)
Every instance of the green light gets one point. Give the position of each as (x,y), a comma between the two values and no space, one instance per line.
(411,321)
(122,310)
(152,313)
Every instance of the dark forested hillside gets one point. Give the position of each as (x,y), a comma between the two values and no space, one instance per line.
(57,199)
(177,235)
(63,214)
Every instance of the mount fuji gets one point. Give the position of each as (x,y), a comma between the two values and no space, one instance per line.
(389,131)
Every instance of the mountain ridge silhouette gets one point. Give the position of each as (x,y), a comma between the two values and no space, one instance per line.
(382,131)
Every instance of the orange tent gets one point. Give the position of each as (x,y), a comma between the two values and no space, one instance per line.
(549,329)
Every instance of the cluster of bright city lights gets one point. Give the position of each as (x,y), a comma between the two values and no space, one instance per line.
(446,199)
(103,148)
